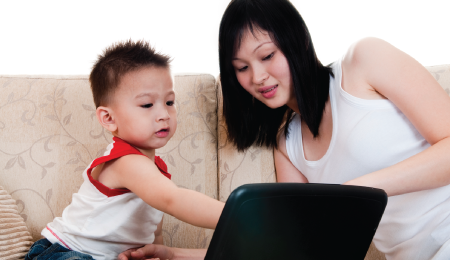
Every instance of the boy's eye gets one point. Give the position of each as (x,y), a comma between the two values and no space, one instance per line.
(147,105)
(268,57)
(170,103)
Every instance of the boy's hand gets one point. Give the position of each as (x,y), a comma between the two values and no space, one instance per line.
(162,252)
(151,251)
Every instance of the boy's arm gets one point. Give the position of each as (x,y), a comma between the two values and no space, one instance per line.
(140,175)
(158,234)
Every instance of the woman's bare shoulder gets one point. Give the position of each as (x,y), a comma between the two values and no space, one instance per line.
(365,50)
(358,64)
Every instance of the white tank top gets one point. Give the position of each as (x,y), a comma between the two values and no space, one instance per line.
(369,135)
(104,222)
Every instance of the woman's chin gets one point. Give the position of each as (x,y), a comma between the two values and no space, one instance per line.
(273,104)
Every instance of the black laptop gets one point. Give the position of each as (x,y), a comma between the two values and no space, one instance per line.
(297,221)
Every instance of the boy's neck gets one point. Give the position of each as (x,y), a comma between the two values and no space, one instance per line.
(150,153)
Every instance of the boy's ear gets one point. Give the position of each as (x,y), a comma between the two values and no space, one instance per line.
(106,118)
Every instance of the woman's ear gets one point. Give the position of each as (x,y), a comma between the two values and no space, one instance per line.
(106,118)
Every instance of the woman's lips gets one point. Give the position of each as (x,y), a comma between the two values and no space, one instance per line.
(163,132)
(268,91)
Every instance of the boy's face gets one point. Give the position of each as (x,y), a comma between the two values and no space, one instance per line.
(144,108)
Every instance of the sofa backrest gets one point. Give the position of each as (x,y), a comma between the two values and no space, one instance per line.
(49,134)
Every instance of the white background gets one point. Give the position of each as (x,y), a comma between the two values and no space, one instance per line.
(65,37)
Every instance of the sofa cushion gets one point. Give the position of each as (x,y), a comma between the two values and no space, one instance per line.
(49,134)
(15,240)
(255,165)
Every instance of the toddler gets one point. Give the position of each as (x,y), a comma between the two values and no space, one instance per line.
(121,202)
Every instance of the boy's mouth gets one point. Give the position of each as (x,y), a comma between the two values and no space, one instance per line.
(163,132)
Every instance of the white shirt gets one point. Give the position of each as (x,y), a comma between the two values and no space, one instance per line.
(369,135)
(104,222)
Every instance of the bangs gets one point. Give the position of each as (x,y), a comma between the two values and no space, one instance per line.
(250,20)
(252,28)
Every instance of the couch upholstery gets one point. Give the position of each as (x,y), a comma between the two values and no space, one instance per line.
(49,134)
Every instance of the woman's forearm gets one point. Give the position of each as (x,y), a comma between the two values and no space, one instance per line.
(426,170)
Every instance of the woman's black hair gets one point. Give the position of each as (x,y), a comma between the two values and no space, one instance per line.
(248,120)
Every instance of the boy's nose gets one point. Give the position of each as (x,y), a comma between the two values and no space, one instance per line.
(163,115)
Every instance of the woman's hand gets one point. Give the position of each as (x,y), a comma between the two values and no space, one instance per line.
(151,251)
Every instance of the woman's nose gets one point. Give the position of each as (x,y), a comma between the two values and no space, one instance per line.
(259,75)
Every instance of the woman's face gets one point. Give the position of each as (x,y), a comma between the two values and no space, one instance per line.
(262,69)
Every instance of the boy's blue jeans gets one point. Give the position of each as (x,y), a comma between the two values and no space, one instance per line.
(44,250)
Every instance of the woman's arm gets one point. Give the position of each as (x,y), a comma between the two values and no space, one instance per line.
(286,171)
(390,73)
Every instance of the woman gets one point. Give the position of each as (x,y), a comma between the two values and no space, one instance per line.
(374,118)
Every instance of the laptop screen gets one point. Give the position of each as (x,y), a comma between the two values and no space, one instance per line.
(297,221)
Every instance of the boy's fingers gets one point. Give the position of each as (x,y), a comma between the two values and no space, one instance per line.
(125,255)
(138,253)
(148,252)
(130,254)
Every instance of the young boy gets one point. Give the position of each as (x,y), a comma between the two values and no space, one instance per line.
(121,202)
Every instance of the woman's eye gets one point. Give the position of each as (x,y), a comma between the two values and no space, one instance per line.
(147,105)
(170,103)
(242,69)
(268,57)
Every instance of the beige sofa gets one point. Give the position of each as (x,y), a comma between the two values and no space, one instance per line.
(49,133)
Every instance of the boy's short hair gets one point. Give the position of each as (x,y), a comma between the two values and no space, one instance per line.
(117,60)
